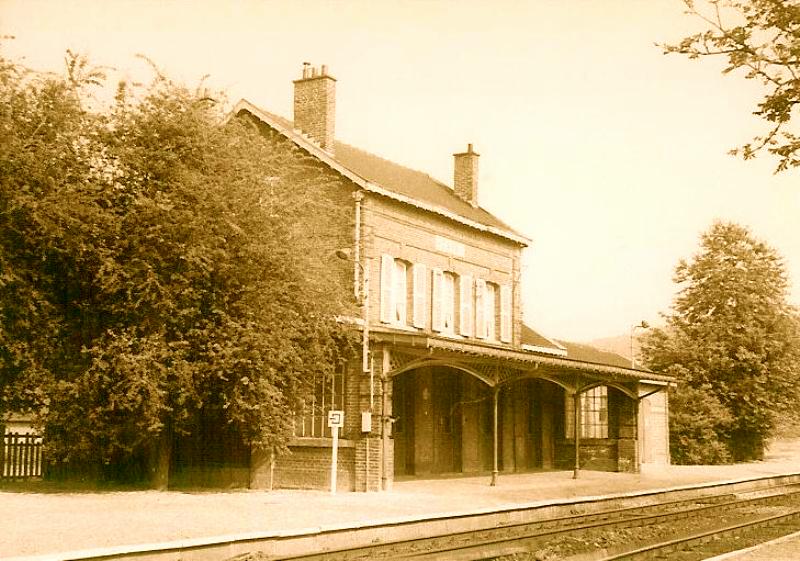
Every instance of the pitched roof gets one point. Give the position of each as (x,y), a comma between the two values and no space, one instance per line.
(411,183)
(587,353)
(390,179)
(536,342)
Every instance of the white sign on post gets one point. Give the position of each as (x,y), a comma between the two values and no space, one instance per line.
(335,421)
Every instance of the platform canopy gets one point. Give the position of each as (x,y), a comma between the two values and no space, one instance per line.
(497,366)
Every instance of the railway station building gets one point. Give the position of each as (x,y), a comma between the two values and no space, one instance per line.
(450,380)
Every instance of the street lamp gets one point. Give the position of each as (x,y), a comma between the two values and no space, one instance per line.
(642,325)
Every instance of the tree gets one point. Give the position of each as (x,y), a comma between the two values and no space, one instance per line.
(154,270)
(733,338)
(761,38)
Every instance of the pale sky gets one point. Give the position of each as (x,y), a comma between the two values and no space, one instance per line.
(609,155)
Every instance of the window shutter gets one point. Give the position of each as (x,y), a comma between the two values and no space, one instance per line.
(465,300)
(436,299)
(387,288)
(505,313)
(420,291)
(480,316)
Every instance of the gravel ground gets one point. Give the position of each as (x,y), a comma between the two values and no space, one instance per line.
(40,523)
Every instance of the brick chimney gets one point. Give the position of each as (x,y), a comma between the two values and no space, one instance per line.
(315,105)
(465,176)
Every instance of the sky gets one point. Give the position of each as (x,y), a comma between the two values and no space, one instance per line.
(609,155)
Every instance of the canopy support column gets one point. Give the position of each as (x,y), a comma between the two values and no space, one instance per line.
(495,440)
(576,401)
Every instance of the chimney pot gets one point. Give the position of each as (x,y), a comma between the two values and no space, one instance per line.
(324,71)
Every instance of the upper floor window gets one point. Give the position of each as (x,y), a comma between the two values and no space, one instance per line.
(400,293)
(593,414)
(486,310)
(490,307)
(459,304)
(403,300)
(448,303)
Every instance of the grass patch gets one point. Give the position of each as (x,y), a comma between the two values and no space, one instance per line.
(45,486)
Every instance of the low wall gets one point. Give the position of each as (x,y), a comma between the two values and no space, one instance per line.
(308,465)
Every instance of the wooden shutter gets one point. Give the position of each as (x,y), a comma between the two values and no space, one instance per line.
(465,302)
(387,288)
(420,292)
(436,299)
(505,313)
(480,315)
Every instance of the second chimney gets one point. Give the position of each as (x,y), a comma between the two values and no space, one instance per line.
(465,176)
(315,105)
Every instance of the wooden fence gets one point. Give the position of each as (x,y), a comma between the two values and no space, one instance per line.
(21,456)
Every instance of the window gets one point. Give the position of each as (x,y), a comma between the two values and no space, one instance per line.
(593,412)
(400,292)
(312,420)
(490,311)
(506,308)
(485,310)
(448,303)
(395,294)
(443,301)
(419,295)
(465,299)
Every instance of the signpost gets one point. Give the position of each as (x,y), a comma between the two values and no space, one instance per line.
(335,421)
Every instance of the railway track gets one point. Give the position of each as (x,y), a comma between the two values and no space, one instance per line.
(702,545)
(564,537)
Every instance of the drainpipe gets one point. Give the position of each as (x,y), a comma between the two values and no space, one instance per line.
(358,196)
(384,433)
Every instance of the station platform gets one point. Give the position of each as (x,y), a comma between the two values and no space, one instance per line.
(45,524)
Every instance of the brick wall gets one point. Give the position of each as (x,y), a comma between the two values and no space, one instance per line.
(600,455)
(391,228)
(654,429)
(410,234)
(308,466)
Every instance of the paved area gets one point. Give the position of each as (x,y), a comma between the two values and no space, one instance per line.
(36,524)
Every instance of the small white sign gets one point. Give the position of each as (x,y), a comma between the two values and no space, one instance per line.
(336,419)
(448,246)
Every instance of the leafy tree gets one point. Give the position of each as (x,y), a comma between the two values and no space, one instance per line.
(762,39)
(731,338)
(155,270)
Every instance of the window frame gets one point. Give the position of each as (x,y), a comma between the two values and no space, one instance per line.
(594,414)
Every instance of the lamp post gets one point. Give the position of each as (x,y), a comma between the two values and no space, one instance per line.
(642,325)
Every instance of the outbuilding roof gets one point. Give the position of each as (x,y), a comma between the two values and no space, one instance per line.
(587,353)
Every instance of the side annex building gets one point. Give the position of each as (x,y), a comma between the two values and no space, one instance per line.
(450,380)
